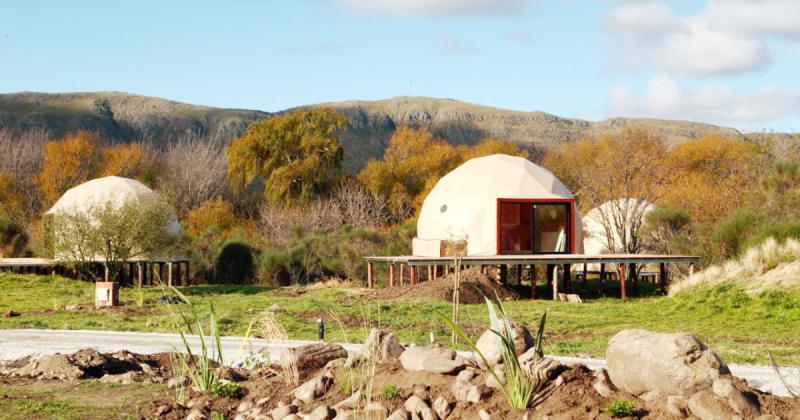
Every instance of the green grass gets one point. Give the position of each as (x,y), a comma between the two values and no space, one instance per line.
(740,328)
(87,400)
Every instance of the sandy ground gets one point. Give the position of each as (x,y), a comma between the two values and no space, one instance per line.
(16,344)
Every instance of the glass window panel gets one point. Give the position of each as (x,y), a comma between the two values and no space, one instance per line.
(551,222)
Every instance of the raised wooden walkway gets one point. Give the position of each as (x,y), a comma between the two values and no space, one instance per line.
(144,270)
(624,263)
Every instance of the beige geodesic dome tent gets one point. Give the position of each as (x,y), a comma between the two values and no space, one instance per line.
(605,225)
(500,205)
(101,191)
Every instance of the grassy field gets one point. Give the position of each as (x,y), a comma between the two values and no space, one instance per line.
(741,329)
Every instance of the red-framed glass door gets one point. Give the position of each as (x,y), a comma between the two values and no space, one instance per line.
(535,226)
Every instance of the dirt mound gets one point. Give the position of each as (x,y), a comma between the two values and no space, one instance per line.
(88,363)
(474,286)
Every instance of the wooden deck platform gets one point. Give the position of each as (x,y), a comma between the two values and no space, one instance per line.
(625,266)
(142,270)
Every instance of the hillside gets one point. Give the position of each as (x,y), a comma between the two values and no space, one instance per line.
(124,116)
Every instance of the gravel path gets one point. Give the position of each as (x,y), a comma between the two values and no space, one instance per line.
(16,344)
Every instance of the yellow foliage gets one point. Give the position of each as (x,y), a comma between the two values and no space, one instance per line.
(9,199)
(126,160)
(67,163)
(492,146)
(215,213)
(711,175)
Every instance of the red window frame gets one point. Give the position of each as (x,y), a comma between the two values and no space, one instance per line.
(571,221)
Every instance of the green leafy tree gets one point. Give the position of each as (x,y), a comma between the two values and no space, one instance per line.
(298,155)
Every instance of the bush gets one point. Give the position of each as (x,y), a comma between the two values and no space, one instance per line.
(620,408)
(390,392)
(235,263)
(729,234)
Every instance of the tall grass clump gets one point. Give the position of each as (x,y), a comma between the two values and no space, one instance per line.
(520,390)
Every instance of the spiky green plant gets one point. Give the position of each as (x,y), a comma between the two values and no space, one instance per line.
(520,390)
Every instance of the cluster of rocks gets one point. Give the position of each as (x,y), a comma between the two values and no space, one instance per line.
(121,367)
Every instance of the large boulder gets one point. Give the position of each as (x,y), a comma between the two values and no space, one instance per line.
(382,345)
(489,343)
(431,358)
(640,361)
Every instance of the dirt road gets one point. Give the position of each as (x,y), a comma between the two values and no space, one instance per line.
(16,344)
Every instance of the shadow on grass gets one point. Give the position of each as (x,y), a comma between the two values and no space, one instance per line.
(225,289)
(591,290)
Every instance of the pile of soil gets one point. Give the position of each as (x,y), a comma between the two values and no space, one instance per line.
(474,286)
(90,364)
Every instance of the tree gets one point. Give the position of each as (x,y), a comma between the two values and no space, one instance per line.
(67,163)
(193,171)
(113,233)
(491,146)
(125,160)
(413,162)
(20,161)
(298,155)
(628,170)
(214,215)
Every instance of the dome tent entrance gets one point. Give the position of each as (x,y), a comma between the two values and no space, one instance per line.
(500,205)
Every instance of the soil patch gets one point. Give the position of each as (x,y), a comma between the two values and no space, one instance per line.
(474,286)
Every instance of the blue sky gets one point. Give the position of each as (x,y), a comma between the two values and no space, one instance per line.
(732,62)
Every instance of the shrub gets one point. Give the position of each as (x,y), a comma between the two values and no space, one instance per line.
(390,392)
(214,215)
(228,389)
(235,263)
(620,408)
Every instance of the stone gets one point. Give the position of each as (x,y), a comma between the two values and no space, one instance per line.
(559,381)
(383,346)
(322,412)
(178,381)
(399,414)
(244,406)
(344,415)
(498,381)
(196,415)
(313,389)
(738,400)
(72,307)
(240,417)
(314,356)
(276,309)
(465,391)
(484,415)
(417,407)
(122,378)
(490,345)
(639,361)
(335,364)
(465,375)
(431,358)
(441,407)
(707,406)
(542,368)
(350,402)
(292,417)
(602,384)
(676,405)
(282,411)
(263,401)
(375,410)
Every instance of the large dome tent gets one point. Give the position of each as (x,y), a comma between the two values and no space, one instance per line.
(499,204)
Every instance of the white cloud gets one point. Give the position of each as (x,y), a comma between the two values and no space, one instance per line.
(437,8)
(447,45)
(726,36)
(715,103)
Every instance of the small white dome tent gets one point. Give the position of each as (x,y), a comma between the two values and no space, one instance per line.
(100,192)
(500,205)
(605,225)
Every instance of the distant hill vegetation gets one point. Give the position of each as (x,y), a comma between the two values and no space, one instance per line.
(121,116)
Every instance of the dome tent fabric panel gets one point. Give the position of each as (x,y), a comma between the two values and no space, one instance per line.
(463,204)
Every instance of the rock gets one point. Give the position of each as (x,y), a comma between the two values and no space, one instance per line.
(196,415)
(350,402)
(162,409)
(276,309)
(484,415)
(423,392)
(375,410)
(72,307)
(559,381)
(602,384)
(343,415)
(322,412)
(55,366)
(178,381)
(240,417)
(489,343)
(706,406)
(676,405)
(416,406)
(639,361)
(382,345)
(11,314)
(146,369)
(498,381)
(170,300)
(465,391)
(292,417)
(441,407)
(738,400)
(314,356)
(122,378)
(244,406)
(542,368)
(282,411)
(431,358)
(313,389)
(335,364)
(263,401)
(465,375)
(399,414)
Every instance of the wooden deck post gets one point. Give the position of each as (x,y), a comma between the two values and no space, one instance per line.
(140,274)
(402,274)
(414,274)
(503,274)
(662,277)
(105,272)
(532,269)
(555,281)
(370,274)
(621,275)
(169,273)
(519,275)
(188,274)
(602,277)
(585,273)
(567,278)
(430,272)
(178,276)
(634,278)
(691,269)
(391,274)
